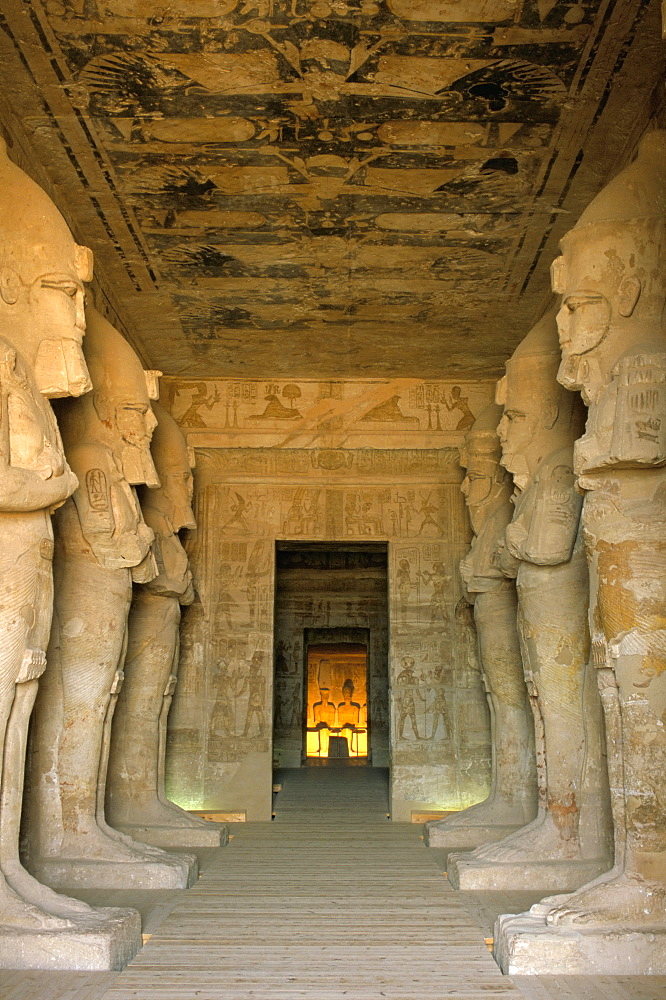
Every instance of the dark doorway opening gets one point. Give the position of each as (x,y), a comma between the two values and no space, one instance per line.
(331,653)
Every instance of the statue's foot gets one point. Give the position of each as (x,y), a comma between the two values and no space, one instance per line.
(548,903)
(41,896)
(157,812)
(95,844)
(539,841)
(624,901)
(488,852)
(492,812)
(173,815)
(19,914)
(157,854)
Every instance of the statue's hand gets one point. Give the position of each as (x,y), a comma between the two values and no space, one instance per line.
(516,537)
(506,561)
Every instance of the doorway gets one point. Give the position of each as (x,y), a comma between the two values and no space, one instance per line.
(331,605)
(336,703)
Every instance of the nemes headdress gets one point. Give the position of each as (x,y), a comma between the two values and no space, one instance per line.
(34,238)
(118,378)
(537,355)
(115,368)
(482,442)
(628,219)
(168,446)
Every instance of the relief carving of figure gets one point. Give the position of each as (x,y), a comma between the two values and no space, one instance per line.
(459,402)
(223,716)
(255,685)
(102,544)
(408,689)
(440,581)
(192,416)
(544,550)
(404,585)
(487,489)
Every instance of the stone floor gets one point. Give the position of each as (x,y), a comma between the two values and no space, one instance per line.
(330,901)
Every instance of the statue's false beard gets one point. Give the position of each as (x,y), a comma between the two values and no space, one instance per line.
(60,369)
(138,465)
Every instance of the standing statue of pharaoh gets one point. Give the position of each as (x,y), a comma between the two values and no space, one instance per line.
(102,544)
(136,800)
(568,841)
(487,488)
(41,326)
(612,277)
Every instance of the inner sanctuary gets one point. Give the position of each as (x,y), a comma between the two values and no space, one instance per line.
(332,499)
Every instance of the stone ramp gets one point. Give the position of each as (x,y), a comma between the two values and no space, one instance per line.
(330,901)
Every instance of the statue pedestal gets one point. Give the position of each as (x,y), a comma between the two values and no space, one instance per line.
(436,833)
(177,871)
(208,835)
(465,872)
(525,946)
(105,941)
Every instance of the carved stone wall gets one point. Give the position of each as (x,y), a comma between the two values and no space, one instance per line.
(359,461)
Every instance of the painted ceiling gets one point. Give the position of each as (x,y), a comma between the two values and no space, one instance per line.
(327,188)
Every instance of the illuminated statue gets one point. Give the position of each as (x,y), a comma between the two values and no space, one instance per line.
(512,800)
(349,712)
(612,277)
(41,326)
(136,800)
(102,544)
(323,711)
(568,841)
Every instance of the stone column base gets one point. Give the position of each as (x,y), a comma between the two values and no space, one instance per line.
(437,833)
(104,941)
(526,946)
(210,835)
(176,871)
(465,872)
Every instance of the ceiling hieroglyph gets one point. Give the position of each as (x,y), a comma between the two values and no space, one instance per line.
(322,188)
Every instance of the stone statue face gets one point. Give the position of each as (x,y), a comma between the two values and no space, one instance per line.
(611,275)
(55,302)
(477,486)
(42,271)
(135,422)
(179,487)
(173,461)
(48,322)
(521,420)
(589,287)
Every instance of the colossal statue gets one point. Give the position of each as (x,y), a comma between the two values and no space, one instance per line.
(612,278)
(487,488)
(568,841)
(41,326)
(136,800)
(102,543)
